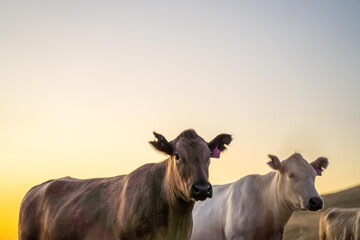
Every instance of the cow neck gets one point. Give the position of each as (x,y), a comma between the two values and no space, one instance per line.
(176,198)
(282,210)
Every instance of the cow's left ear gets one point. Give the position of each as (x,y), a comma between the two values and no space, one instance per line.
(274,162)
(320,164)
(161,144)
(217,145)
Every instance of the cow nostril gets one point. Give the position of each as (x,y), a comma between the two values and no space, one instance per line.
(195,189)
(201,187)
(314,204)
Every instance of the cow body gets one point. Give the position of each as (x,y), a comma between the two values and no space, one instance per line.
(340,223)
(257,207)
(152,202)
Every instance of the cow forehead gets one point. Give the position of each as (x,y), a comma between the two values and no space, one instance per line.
(298,164)
(192,146)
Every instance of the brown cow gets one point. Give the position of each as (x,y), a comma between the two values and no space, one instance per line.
(154,201)
(340,224)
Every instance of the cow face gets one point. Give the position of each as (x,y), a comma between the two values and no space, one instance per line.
(296,181)
(188,164)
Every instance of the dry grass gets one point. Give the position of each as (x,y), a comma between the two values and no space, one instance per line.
(305,225)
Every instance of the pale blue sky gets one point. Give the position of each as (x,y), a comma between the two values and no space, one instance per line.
(259,70)
(84,83)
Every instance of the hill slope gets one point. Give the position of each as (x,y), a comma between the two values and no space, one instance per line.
(304,225)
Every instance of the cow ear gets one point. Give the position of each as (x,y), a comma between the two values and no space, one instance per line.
(161,144)
(217,145)
(320,164)
(274,162)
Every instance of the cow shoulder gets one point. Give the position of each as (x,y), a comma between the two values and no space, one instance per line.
(144,210)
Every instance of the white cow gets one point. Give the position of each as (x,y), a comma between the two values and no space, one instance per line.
(259,206)
(340,224)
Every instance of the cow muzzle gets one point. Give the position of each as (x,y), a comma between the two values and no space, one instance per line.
(314,203)
(201,191)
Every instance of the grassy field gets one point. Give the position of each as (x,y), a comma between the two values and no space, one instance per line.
(304,225)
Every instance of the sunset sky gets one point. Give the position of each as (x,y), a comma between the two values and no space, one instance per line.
(84,83)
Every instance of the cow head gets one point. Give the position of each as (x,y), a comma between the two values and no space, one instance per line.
(296,181)
(188,164)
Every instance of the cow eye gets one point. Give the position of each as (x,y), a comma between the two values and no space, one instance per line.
(291,175)
(177,157)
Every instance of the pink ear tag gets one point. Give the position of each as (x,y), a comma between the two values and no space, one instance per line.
(215,153)
(318,171)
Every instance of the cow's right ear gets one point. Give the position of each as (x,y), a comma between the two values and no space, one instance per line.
(161,144)
(274,162)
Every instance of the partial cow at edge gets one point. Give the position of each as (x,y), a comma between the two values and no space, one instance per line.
(154,201)
(257,207)
(340,224)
